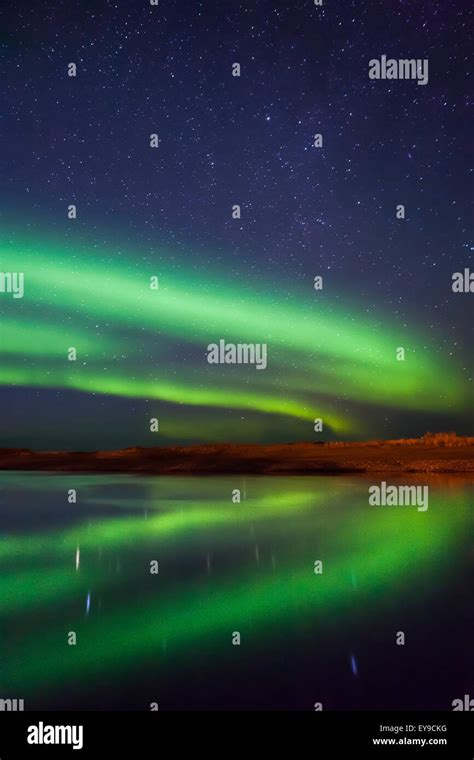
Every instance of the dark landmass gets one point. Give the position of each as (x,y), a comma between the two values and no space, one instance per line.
(438,453)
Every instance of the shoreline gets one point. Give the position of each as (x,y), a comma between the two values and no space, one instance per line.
(254,459)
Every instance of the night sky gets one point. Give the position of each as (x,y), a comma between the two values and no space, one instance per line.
(166,212)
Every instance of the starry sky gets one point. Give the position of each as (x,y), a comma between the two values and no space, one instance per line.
(166,212)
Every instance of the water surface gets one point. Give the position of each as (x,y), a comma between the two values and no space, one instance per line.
(229,569)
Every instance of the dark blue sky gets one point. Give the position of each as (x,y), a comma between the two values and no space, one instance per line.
(247,140)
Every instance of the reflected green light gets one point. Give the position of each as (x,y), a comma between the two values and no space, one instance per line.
(391,544)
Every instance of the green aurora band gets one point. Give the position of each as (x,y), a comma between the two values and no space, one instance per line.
(126,337)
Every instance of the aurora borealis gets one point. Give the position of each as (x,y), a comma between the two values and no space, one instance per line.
(130,342)
(235,222)
(167,213)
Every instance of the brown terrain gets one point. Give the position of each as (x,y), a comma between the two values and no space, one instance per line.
(433,453)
